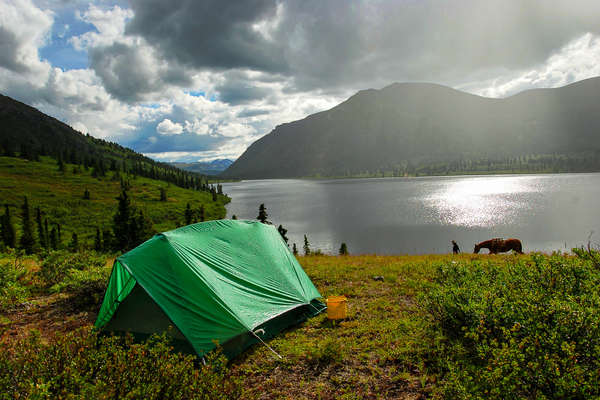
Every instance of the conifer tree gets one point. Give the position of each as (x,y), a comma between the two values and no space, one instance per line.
(27,241)
(40,228)
(140,228)
(74,243)
(98,240)
(282,231)
(306,246)
(234,216)
(61,164)
(163,194)
(54,238)
(343,250)
(189,214)
(86,194)
(202,213)
(122,222)
(46,233)
(262,214)
(9,235)
(295,249)
(107,239)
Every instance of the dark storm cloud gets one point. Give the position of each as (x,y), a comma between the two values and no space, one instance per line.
(253,112)
(209,33)
(341,44)
(128,73)
(9,45)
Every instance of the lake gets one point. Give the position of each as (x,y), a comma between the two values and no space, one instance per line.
(422,215)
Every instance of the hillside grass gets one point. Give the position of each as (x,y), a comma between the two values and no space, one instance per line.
(441,326)
(60,197)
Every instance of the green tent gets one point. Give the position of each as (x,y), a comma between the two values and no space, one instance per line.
(228,282)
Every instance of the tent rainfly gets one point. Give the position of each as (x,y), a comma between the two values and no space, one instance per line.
(228,282)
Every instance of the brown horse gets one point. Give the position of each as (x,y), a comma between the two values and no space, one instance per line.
(499,245)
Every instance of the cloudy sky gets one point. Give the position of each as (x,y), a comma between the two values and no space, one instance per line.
(202,79)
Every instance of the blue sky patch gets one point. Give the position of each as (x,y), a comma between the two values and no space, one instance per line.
(59,52)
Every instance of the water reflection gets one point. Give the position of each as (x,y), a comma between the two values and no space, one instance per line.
(422,215)
(483,201)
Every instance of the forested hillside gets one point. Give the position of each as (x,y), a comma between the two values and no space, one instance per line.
(29,133)
(72,200)
(62,189)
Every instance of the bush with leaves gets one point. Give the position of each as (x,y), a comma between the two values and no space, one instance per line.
(12,290)
(525,329)
(86,286)
(85,365)
(57,265)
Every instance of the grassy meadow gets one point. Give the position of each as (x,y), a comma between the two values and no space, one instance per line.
(60,197)
(435,326)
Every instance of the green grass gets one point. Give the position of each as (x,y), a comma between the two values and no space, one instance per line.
(440,326)
(60,197)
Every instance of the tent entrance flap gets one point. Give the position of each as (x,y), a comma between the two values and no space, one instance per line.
(139,315)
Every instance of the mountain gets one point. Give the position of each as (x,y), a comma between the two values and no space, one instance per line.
(412,127)
(214,167)
(31,133)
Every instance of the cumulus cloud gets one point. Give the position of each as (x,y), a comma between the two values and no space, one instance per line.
(129,68)
(23,29)
(168,127)
(576,61)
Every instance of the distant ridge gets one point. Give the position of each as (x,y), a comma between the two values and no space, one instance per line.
(412,127)
(213,167)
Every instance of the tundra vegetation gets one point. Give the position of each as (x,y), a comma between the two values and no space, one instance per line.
(441,326)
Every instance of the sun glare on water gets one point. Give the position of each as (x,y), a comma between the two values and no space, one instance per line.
(480,202)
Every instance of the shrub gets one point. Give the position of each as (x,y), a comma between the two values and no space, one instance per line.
(12,291)
(86,286)
(525,329)
(84,365)
(328,351)
(58,264)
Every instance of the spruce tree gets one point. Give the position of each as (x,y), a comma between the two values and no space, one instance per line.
(121,222)
(306,246)
(189,214)
(343,250)
(86,194)
(9,235)
(107,239)
(98,240)
(202,213)
(40,228)
(234,216)
(262,214)
(54,238)
(27,241)
(295,249)
(140,227)
(61,164)
(74,243)
(46,233)
(282,231)
(163,194)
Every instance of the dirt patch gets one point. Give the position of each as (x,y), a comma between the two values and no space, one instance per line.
(49,315)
